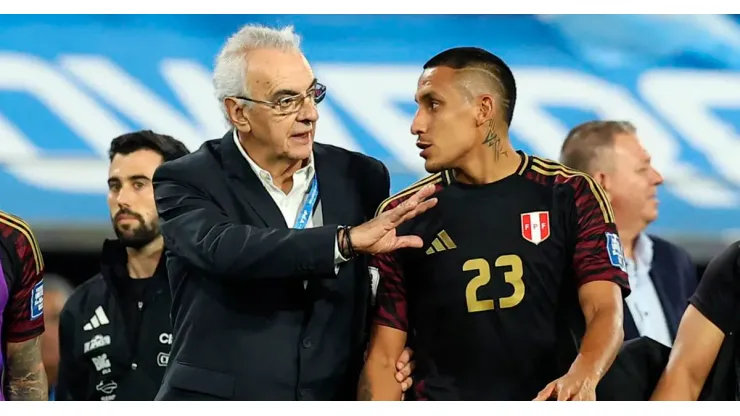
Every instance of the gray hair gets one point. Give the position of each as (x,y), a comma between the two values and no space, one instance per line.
(230,72)
(586,142)
(56,283)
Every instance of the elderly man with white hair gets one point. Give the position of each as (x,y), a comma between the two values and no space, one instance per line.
(268,236)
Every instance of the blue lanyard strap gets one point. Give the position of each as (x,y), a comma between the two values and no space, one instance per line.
(307,210)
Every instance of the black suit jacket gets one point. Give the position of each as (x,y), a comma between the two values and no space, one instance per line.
(674,276)
(244,327)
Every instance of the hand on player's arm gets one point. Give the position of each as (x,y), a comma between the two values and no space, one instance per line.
(378,380)
(693,354)
(404,369)
(601,302)
(379,234)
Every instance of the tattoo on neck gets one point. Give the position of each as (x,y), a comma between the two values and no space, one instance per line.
(493,140)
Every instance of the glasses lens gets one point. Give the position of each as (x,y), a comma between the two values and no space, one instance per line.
(319,93)
(288,104)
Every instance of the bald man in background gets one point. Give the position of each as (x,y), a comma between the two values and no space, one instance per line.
(56,292)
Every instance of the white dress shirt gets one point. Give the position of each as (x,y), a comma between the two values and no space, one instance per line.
(291,203)
(644,303)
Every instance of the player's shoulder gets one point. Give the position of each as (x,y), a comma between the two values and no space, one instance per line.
(18,237)
(13,227)
(728,259)
(721,275)
(582,190)
(554,173)
(439,179)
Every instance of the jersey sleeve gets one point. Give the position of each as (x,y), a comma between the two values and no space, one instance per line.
(391,302)
(598,254)
(718,295)
(391,307)
(25,310)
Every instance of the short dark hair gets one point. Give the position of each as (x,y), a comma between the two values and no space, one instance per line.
(167,146)
(584,142)
(477,58)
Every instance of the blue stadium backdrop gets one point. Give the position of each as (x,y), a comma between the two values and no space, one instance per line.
(68,84)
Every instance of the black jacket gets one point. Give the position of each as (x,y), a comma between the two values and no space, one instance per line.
(112,347)
(245,327)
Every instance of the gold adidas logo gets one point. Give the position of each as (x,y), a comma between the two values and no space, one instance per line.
(441,243)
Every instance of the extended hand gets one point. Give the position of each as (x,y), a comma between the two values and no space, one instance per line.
(379,234)
(574,386)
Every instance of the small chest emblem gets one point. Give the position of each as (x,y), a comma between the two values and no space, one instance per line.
(536,226)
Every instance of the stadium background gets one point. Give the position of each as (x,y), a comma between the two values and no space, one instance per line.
(69,84)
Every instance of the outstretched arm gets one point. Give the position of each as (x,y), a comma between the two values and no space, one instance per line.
(196,228)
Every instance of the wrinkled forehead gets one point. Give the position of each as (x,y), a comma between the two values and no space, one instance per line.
(270,71)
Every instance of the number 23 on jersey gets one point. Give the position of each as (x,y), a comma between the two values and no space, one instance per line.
(483,267)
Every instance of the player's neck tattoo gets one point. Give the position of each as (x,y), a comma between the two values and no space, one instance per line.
(493,140)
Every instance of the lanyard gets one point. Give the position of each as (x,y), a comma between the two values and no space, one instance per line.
(307,210)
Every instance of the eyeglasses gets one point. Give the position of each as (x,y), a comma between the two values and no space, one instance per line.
(292,103)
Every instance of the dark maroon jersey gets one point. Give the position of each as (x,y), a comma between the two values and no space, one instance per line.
(21,286)
(490,303)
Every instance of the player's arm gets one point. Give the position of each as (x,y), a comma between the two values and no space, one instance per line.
(388,333)
(378,378)
(26,374)
(25,314)
(601,302)
(708,318)
(598,265)
(694,351)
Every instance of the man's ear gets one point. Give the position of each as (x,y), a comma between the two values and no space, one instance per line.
(236,115)
(485,109)
(605,181)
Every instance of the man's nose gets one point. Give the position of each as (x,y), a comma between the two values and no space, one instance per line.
(308,111)
(418,124)
(124,196)
(657,177)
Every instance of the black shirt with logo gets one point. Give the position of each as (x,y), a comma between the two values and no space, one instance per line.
(491,300)
(115,333)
